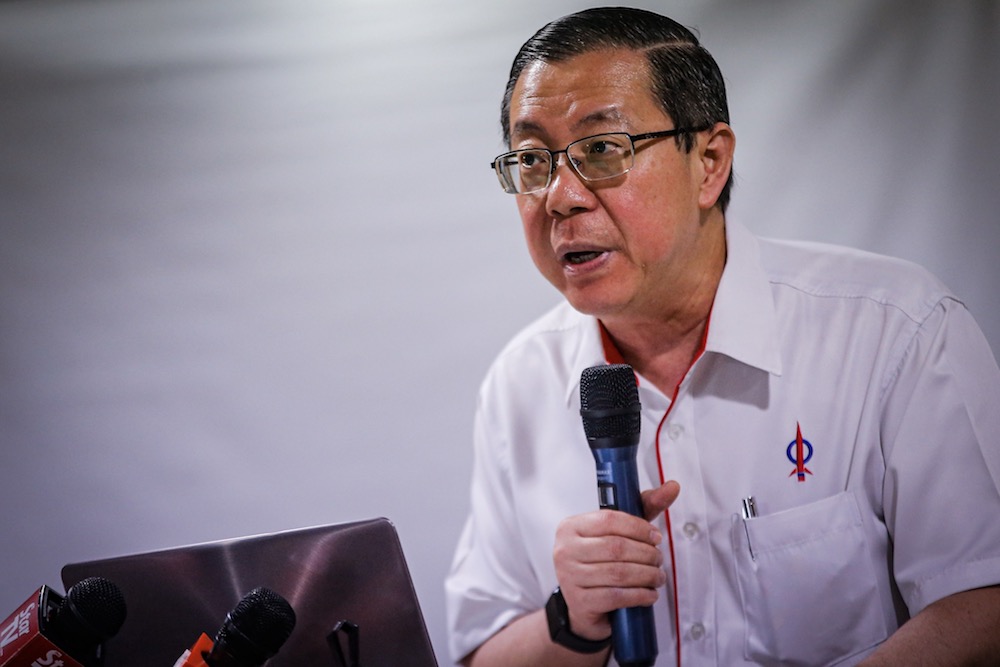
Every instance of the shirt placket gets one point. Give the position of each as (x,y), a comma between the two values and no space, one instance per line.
(688,521)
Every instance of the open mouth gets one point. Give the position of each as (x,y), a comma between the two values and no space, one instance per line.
(581,257)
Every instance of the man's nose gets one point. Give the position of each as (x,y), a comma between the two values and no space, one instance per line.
(567,192)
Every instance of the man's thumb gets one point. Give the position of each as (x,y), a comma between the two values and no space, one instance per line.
(656,501)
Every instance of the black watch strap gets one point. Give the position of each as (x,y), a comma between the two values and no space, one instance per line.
(557,614)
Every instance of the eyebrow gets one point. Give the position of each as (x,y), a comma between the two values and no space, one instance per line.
(530,127)
(600,116)
(526,127)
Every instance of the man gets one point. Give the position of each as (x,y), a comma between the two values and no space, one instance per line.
(852,396)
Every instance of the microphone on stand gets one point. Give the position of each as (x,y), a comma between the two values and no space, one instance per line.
(252,633)
(609,407)
(49,629)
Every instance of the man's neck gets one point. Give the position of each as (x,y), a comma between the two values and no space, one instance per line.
(662,346)
(660,356)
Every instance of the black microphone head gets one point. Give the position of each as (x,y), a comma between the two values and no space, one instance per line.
(92,611)
(99,605)
(256,628)
(609,401)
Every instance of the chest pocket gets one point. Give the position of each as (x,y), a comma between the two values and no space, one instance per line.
(807,584)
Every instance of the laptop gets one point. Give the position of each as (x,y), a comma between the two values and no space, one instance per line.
(351,577)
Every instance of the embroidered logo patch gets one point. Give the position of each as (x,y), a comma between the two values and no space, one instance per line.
(799,452)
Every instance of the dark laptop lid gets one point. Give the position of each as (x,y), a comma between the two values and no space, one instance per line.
(352,572)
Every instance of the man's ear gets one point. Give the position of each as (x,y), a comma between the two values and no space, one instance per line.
(715,150)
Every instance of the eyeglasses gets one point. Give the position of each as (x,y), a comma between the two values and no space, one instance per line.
(593,158)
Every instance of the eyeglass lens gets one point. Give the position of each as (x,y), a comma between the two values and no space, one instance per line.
(593,158)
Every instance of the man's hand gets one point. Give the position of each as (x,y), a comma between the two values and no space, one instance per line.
(607,560)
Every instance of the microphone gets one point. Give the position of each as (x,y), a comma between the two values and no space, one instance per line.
(609,406)
(49,629)
(252,633)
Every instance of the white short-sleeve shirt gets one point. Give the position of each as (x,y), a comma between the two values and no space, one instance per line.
(851,395)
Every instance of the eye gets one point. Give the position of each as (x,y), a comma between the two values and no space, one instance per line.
(605,146)
(599,147)
(533,159)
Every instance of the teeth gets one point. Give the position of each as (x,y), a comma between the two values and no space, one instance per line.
(581,257)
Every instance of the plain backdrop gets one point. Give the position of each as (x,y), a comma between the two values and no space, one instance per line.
(253,263)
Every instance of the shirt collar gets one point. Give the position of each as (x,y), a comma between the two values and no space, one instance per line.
(743,323)
(590,352)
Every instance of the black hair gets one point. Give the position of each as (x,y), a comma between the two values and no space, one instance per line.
(685,80)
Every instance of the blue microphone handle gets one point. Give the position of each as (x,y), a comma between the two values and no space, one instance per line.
(633,628)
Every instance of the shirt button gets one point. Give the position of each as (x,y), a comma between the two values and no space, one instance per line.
(675,431)
(697,631)
(691,530)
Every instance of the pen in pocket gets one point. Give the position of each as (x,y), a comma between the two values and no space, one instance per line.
(748,508)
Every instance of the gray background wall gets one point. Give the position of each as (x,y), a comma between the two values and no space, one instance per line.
(253,265)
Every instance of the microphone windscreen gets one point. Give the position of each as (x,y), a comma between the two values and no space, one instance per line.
(257,627)
(98,606)
(91,612)
(609,401)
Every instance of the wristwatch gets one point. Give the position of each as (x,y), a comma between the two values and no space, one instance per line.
(557,614)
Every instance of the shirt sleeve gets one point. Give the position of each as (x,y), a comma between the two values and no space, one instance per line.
(941,440)
(491,577)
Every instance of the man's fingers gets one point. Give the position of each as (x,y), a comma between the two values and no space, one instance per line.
(602,523)
(604,599)
(618,575)
(656,501)
(607,560)
(610,549)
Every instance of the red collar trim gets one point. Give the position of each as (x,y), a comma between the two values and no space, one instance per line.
(612,355)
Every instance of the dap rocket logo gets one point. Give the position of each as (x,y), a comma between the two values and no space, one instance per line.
(799,452)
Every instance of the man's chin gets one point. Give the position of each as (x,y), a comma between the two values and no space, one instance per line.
(599,306)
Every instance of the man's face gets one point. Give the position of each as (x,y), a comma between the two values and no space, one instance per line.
(617,248)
